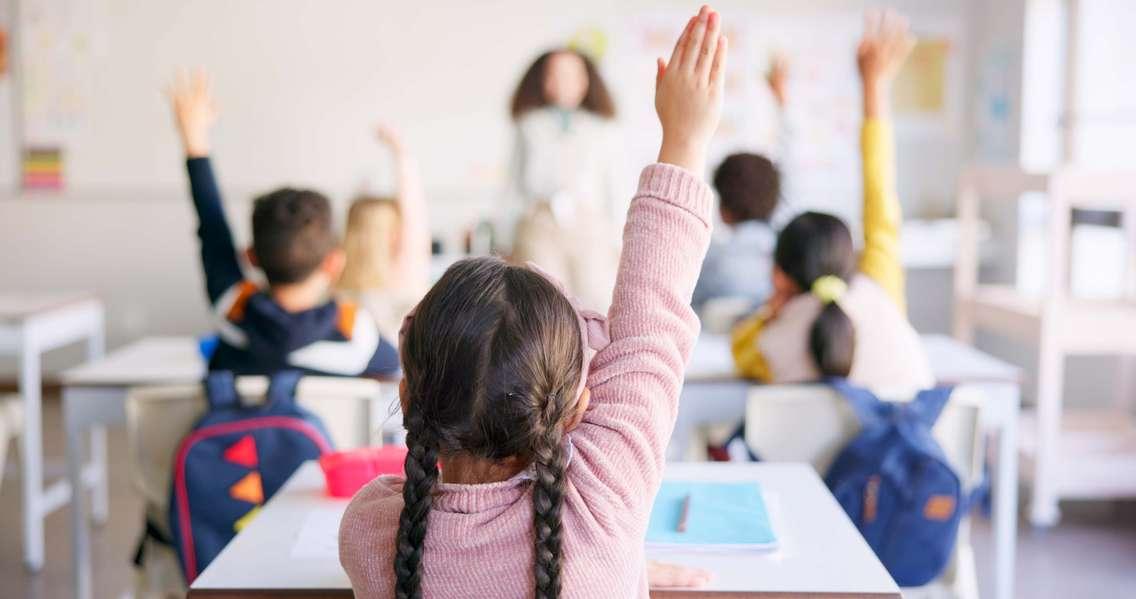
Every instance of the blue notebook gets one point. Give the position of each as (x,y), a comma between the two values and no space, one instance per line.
(712,516)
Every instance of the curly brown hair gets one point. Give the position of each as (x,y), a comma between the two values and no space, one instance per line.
(749,186)
(530,91)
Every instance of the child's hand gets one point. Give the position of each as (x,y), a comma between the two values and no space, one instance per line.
(661,575)
(885,46)
(191,96)
(389,136)
(778,79)
(688,92)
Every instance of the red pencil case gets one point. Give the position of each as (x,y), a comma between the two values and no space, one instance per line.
(347,471)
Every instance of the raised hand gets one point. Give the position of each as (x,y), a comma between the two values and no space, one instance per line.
(195,111)
(778,79)
(886,44)
(390,137)
(688,91)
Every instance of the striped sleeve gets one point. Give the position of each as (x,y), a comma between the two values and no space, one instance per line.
(361,350)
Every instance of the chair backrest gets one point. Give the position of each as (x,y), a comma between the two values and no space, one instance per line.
(812,423)
(159,417)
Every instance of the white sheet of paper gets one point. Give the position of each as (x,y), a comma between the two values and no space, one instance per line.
(319,535)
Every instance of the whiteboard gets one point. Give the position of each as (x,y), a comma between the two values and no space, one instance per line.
(300,84)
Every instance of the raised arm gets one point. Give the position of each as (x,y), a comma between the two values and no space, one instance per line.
(194,113)
(788,146)
(636,380)
(886,44)
(413,253)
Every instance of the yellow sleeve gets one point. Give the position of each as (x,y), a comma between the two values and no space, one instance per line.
(747,355)
(880,259)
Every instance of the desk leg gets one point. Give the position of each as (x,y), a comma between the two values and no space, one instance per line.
(80,533)
(31,452)
(1006,497)
(100,496)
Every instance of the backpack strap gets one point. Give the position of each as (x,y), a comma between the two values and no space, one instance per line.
(863,402)
(282,387)
(221,390)
(929,404)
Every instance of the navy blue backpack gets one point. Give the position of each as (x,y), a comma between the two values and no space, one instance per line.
(234,460)
(896,484)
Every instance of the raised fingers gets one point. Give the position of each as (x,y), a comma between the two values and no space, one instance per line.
(718,67)
(202,84)
(681,43)
(694,41)
(709,50)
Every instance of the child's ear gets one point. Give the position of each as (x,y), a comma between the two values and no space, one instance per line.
(333,263)
(250,255)
(581,407)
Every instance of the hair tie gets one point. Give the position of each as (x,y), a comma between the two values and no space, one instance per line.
(829,289)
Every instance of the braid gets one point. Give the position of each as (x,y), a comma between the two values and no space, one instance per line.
(548,499)
(417,493)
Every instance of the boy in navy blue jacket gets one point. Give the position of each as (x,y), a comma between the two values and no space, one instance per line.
(292,324)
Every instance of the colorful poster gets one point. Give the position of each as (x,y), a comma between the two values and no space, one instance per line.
(56,83)
(43,168)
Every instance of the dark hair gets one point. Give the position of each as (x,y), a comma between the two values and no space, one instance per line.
(492,361)
(291,233)
(811,246)
(530,91)
(749,186)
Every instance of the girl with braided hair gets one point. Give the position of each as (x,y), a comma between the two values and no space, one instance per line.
(536,429)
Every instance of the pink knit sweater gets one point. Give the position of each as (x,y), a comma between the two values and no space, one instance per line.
(479,537)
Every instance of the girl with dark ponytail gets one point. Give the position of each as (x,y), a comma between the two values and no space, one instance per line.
(831,314)
(535,430)
(814,251)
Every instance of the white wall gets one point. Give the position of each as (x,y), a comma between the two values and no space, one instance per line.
(299,84)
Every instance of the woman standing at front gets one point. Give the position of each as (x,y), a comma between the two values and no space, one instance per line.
(565,168)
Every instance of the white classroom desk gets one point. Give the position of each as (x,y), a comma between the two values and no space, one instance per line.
(820,553)
(32,324)
(714,394)
(94,397)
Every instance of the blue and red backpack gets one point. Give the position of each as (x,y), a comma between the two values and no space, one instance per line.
(234,460)
(896,484)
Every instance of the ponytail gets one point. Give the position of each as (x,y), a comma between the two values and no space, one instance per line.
(548,501)
(815,251)
(832,340)
(418,494)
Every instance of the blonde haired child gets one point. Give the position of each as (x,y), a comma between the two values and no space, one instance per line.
(387,244)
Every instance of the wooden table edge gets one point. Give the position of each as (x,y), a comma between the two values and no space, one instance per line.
(655,594)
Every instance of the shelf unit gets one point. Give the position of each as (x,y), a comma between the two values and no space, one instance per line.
(1065,454)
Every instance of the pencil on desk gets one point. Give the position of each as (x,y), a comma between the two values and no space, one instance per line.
(684,514)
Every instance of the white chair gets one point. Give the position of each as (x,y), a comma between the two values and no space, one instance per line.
(11,424)
(159,417)
(812,423)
